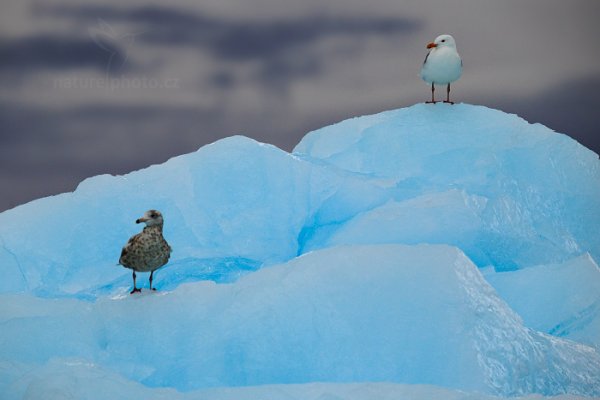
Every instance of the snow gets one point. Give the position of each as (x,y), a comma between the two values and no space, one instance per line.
(432,251)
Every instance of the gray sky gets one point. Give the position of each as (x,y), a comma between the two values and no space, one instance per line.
(113,86)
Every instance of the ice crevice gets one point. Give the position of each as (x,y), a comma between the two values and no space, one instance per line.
(14,256)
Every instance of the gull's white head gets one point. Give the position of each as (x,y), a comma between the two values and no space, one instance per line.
(151,218)
(442,41)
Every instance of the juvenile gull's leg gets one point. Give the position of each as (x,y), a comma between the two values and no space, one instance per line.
(151,273)
(135,289)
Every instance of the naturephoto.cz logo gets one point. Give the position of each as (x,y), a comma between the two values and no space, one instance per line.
(115,83)
(117,48)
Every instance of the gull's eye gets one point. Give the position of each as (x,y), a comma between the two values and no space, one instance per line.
(444,40)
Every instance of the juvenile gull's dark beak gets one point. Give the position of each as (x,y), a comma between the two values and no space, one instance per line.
(140,220)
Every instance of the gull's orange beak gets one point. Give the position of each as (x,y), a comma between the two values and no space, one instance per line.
(431,45)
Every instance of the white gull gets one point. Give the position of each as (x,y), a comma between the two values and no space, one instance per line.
(442,65)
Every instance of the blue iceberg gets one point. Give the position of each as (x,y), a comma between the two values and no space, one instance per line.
(431,249)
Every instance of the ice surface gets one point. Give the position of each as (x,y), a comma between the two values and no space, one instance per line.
(561,299)
(542,188)
(354,259)
(76,379)
(451,217)
(380,313)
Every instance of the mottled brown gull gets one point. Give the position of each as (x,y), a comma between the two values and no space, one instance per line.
(148,250)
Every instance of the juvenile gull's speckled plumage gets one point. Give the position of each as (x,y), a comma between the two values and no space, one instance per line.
(148,250)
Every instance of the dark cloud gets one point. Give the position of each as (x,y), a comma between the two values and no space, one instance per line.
(149,15)
(29,54)
(283,48)
(246,41)
(223,80)
(236,40)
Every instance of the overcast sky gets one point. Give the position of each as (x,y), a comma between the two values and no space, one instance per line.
(112,86)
